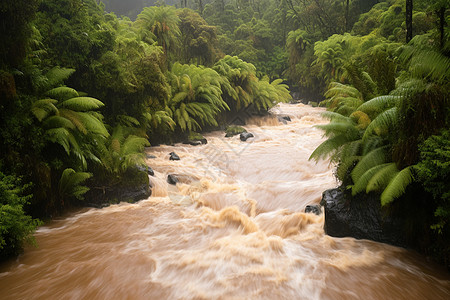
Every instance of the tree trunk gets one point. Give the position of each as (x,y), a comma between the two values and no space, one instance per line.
(409,9)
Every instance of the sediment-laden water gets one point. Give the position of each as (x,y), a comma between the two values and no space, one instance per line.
(233,228)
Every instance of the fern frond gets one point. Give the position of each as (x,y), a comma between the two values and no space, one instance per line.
(373,158)
(82,104)
(62,93)
(70,183)
(381,178)
(379,104)
(43,108)
(58,75)
(361,184)
(397,185)
(384,122)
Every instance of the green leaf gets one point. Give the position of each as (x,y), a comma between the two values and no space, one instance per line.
(397,185)
(82,104)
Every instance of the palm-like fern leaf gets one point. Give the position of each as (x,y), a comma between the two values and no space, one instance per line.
(375,157)
(43,108)
(361,184)
(380,179)
(70,183)
(62,93)
(397,185)
(385,121)
(82,104)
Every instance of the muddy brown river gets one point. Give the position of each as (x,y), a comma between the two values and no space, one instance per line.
(233,228)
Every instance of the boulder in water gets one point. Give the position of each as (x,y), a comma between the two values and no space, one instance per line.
(150,156)
(245,136)
(150,171)
(284,119)
(361,218)
(173,156)
(172,179)
(315,209)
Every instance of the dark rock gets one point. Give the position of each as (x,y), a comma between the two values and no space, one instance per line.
(315,209)
(245,135)
(285,118)
(150,171)
(146,169)
(150,156)
(193,143)
(361,218)
(172,179)
(181,178)
(97,205)
(234,130)
(174,156)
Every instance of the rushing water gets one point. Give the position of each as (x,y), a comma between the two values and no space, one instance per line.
(233,228)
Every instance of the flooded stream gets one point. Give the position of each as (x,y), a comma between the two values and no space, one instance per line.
(234,227)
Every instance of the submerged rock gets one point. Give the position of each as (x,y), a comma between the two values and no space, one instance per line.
(245,136)
(150,156)
(173,156)
(315,209)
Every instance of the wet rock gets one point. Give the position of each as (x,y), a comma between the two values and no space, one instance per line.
(361,218)
(172,179)
(193,143)
(315,209)
(234,130)
(150,171)
(245,135)
(173,156)
(150,156)
(146,169)
(284,118)
(97,205)
(182,178)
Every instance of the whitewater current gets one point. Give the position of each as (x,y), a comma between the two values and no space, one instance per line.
(234,227)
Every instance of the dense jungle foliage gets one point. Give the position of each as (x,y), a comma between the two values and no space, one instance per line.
(83,91)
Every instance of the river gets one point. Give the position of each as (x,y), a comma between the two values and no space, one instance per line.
(233,228)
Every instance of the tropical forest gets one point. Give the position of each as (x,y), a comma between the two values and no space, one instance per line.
(117,179)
